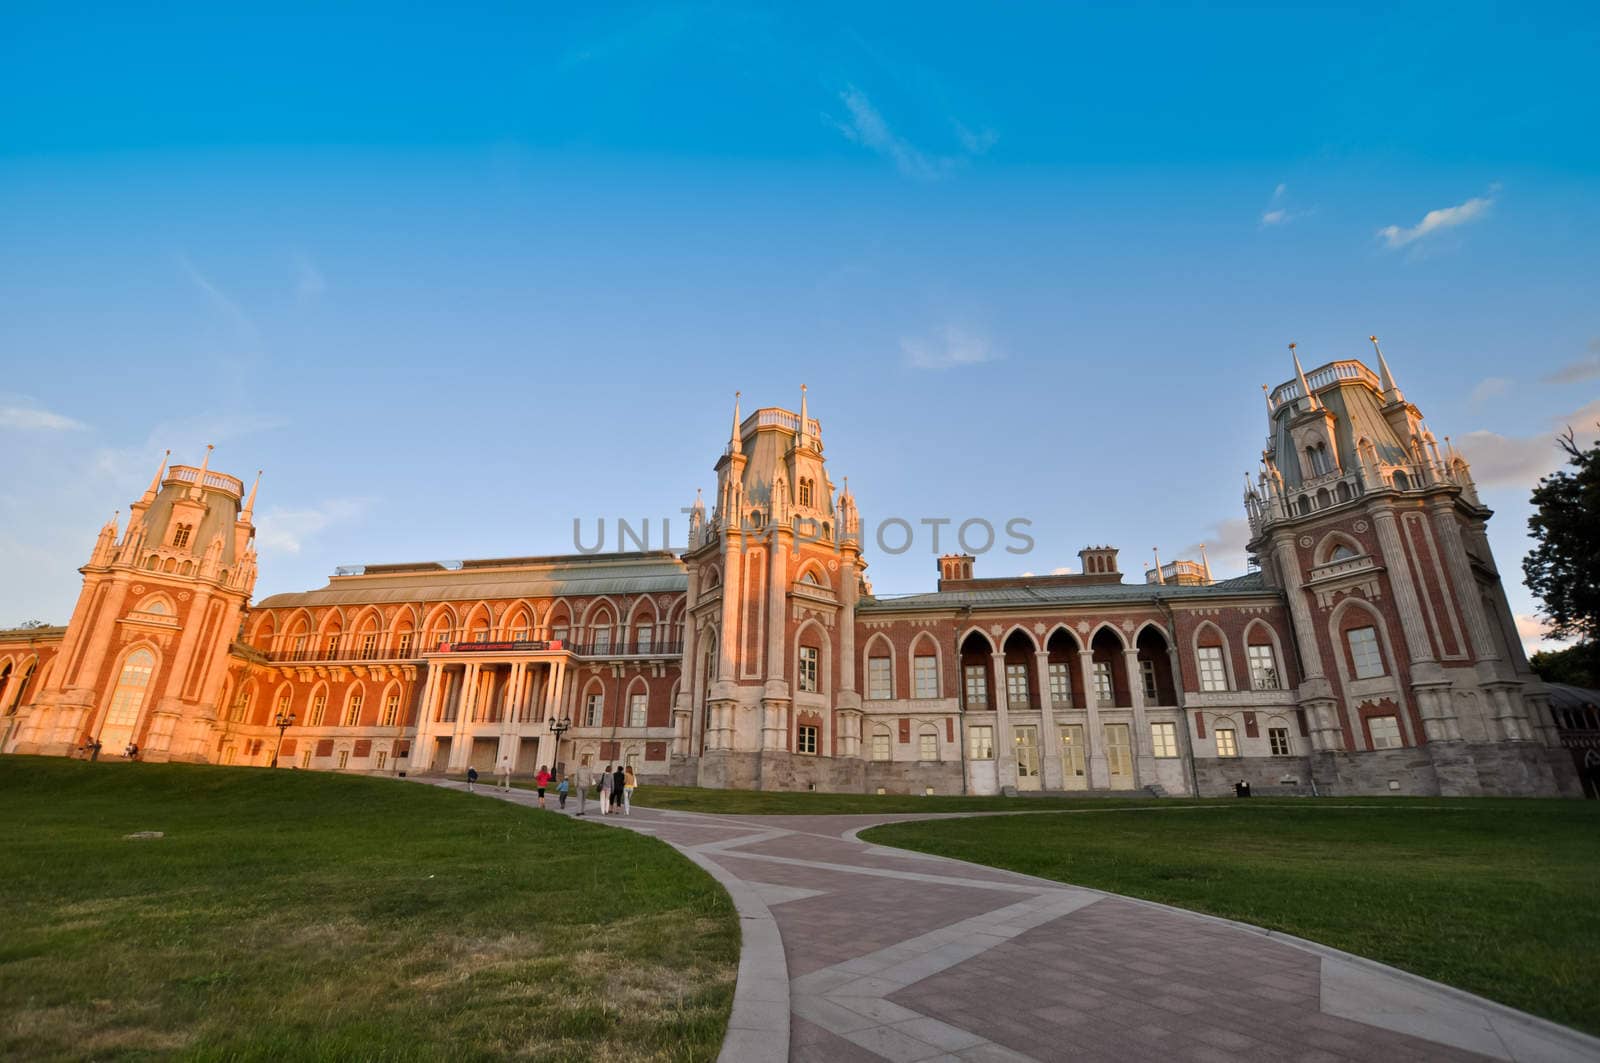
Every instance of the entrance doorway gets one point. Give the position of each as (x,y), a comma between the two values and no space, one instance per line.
(1072,755)
(1027,742)
(1119,755)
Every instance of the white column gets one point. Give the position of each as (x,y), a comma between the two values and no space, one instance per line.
(1143,756)
(1099,773)
(1005,741)
(1054,779)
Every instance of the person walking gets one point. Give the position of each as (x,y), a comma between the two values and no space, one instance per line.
(582,783)
(505,774)
(630,782)
(472,777)
(603,789)
(561,793)
(541,781)
(618,778)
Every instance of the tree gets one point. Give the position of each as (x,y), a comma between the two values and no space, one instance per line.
(31,625)
(1573,666)
(1563,569)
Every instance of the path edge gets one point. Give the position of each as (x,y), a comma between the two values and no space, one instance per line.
(1586,1045)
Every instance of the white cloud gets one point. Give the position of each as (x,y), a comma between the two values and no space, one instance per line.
(1519,461)
(1225,548)
(1535,634)
(286,530)
(218,298)
(1277,213)
(1064,570)
(1435,221)
(975,143)
(1487,389)
(1275,217)
(33,419)
(865,125)
(949,349)
(309,283)
(1579,371)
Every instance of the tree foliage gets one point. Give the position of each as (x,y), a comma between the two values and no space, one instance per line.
(1563,569)
(1577,666)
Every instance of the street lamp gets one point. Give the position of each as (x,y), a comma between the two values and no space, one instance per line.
(281,722)
(559,727)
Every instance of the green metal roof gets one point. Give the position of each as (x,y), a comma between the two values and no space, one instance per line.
(1033,597)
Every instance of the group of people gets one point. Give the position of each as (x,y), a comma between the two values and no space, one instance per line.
(613,786)
(90,750)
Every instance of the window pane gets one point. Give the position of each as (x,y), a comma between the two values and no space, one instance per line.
(1072,750)
(1164,739)
(1385,732)
(880,746)
(928,747)
(1226,747)
(1060,685)
(1364,653)
(1119,756)
(1104,691)
(1147,672)
(1263,668)
(981,743)
(808,669)
(1017,686)
(637,710)
(1279,737)
(879,687)
(927,676)
(806,739)
(1213,676)
(977,689)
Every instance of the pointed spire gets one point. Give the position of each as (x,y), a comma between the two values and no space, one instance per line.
(1300,375)
(1160,577)
(699,503)
(248,513)
(1206,563)
(200,477)
(1391,391)
(804,416)
(734,445)
(1266,394)
(155,484)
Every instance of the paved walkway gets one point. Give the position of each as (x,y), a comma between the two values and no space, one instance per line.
(854,952)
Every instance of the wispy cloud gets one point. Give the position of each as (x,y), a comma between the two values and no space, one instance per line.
(864,124)
(33,419)
(287,530)
(1518,461)
(950,348)
(1491,388)
(1437,221)
(1278,211)
(225,303)
(1225,547)
(1579,371)
(309,283)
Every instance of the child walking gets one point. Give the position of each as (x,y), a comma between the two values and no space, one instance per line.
(561,793)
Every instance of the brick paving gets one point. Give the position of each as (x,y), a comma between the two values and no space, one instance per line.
(909,957)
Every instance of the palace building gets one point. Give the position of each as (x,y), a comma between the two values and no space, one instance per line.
(1369,650)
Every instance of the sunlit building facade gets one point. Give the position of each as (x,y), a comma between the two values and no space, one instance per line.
(1369,650)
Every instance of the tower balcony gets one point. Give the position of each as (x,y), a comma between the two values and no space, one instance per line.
(216,481)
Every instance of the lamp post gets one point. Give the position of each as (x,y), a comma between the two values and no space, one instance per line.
(558,727)
(281,721)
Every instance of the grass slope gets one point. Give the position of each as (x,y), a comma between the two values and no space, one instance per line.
(295,914)
(1499,897)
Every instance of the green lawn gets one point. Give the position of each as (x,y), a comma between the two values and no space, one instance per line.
(1500,897)
(302,915)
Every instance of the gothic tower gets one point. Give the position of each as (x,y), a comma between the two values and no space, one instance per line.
(1376,536)
(144,655)
(774,574)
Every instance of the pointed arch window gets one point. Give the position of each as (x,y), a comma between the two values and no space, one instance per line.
(806,490)
(128,698)
(1341,553)
(181,535)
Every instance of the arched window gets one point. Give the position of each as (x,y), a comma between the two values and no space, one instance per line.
(1341,553)
(127,699)
(805,491)
(181,534)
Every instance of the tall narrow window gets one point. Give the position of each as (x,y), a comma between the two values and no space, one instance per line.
(283,704)
(344,758)
(645,637)
(1263,667)
(879,687)
(977,686)
(299,647)
(319,709)
(1364,654)
(808,669)
(127,699)
(1147,673)
(241,706)
(1226,746)
(1060,685)
(352,712)
(602,640)
(180,535)
(638,706)
(1017,686)
(928,746)
(383,758)
(805,492)
(333,646)
(880,745)
(926,668)
(1213,673)
(558,633)
(1164,739)
(403,646)
(369,646)
(1279,738)
(1104,691)
(805,739)
(594,709)
(391,710)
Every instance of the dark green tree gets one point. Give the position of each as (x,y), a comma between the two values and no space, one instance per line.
(1563,569)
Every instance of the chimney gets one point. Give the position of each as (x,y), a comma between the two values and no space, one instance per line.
(954,568)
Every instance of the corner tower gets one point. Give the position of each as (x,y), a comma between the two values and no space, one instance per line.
(769,698)
(1377,538)
(144,655)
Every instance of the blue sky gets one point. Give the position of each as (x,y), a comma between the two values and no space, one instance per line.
(456,276)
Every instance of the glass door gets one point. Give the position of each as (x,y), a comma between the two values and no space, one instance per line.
(1027,742)
(1072,757)
(1119,756)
